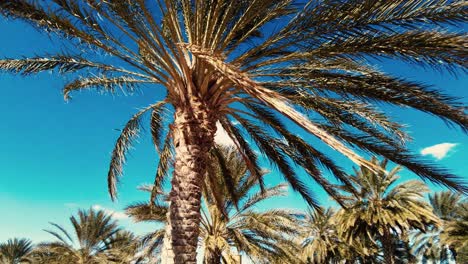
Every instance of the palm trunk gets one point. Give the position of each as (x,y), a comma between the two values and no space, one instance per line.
(193,134)
(167,254)
(388,251)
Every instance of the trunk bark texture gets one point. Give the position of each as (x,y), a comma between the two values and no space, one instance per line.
(388,250)
(167,254)
(194,130)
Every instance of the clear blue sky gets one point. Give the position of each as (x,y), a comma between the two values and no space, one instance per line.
(54,155)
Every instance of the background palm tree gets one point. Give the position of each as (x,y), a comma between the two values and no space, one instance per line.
(13,251)
(323,243)
(94,232)
(122,248)
(263,236)
(428,245)
(383,211)
(455,233)
(217,67)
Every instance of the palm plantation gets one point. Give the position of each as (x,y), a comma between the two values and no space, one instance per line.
(222,62)
(382,211)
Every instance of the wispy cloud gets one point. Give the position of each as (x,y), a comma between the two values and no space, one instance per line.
(115,214)
(222,137)
(438,151)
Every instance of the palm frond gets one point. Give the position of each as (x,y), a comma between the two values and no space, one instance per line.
(165,163)
(108,84)
(274,150)
(63,64)
(422,168)
(277,102)
(123,144)
(226,175)
(144,212)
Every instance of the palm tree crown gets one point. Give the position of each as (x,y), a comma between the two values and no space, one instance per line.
(217,65)
(381,210)
(14,250)
(94,231)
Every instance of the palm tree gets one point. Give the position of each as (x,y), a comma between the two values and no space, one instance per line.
(323,243)
(264,237)
(122,248)
(13,251)
(434,245)
(428,245)
(94,231)
(455,233)
(382,210)
(217,65)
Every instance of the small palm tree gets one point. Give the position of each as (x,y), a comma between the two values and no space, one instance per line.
(381,210)
(13,251)
(265,236)
(94,231)
(217,66)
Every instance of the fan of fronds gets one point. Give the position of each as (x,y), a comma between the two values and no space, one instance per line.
(311,69)
(93,234)
(15,250)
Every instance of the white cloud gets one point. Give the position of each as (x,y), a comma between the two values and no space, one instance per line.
(222,136)
(438,151)
(115,214)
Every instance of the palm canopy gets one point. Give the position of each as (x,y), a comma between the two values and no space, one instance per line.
(381,210)
(315,62)
(14,250)
(217,66)
(93,234)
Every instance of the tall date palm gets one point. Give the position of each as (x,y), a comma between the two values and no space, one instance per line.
(223,61)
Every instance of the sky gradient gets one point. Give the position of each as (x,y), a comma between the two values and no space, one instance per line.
(54,155)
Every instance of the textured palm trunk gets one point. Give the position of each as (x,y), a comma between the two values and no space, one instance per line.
(388,250)
(167,254)
(194,130)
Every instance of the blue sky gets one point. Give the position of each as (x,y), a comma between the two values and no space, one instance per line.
(54,155)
